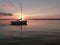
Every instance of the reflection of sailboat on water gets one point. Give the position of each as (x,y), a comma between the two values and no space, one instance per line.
(20,21)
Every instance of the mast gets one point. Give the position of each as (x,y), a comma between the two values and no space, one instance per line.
(21,9)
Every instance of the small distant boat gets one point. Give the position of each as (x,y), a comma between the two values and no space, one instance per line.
(20,21)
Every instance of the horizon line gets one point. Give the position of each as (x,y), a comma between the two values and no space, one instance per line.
(31,19)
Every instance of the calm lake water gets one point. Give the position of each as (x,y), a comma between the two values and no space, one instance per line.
(33,27)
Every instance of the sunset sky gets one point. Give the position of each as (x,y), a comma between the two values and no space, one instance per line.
(31,8)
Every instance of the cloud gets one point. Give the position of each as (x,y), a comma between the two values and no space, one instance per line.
(5,14)
(7,6)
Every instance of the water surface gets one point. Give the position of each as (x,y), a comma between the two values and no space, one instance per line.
(33,27)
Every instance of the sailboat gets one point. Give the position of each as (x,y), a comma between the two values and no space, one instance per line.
(19,21)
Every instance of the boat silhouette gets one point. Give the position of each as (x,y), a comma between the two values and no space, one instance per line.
(19,21)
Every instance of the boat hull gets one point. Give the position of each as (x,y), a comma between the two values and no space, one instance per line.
(19,23)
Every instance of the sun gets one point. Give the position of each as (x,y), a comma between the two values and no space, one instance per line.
(23,17)
(19,16)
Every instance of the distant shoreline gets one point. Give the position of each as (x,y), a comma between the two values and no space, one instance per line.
(44,19)
(31,19)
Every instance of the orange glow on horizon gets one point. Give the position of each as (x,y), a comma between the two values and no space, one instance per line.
(19,16)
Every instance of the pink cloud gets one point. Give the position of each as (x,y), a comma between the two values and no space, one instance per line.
(7,6)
